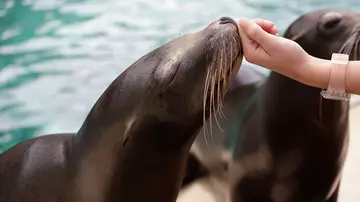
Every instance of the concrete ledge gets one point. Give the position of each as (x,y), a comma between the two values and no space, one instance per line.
(350,185)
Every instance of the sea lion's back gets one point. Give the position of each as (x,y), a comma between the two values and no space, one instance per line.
(34,168)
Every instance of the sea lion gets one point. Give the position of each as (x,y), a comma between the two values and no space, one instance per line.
(135,141)
(294,143)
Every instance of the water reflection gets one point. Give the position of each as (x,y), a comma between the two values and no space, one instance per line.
(57,56)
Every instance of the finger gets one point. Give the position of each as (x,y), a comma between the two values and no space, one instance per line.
(274,31)
(256,33)
(265,24)
(246,42)
(249,47)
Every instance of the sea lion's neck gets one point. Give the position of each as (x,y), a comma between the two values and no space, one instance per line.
(298,104)
(151,161)
(152,164)
(120,151)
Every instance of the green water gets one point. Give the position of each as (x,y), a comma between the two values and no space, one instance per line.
(57,56)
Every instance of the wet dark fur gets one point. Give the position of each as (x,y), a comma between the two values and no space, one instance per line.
(133,145)
(297,136)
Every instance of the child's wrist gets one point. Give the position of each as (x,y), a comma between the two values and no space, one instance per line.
(297,70)
(316,72)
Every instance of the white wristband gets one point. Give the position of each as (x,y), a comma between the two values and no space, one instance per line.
(336,88)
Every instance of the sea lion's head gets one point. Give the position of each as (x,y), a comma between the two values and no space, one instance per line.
(196,69)
(173,89)
(324,32)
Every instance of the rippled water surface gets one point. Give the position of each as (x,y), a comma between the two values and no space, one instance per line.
(58,56)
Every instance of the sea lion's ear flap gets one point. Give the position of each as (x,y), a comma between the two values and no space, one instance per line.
(296,37)
(129,125)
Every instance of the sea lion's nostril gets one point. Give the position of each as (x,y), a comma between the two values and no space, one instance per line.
(226,20)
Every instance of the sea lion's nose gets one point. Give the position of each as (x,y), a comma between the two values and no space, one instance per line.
(226,20)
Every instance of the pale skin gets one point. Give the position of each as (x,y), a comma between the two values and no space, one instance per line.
(263,46)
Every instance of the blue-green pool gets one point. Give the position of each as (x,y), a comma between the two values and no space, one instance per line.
(57,56)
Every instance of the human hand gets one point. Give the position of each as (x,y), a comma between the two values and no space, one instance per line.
(263,46)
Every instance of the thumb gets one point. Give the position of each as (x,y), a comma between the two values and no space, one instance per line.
(256,33)
(246,42)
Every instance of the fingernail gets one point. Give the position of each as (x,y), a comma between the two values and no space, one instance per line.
(268,21)
(242,19)
(254,25)
(275,29)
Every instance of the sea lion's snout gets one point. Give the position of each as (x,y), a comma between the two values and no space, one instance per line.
(221,54)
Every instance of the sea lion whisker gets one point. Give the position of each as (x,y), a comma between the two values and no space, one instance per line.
(218,96)
(344,47)
(220,87)
(357,43)
(205,104)
(205,100)
(356,48)
(218,77)
(349,44)
(228,63)
(223,75)
(212,100)
(228,67)
(221,106)
(216,120)
(231,63)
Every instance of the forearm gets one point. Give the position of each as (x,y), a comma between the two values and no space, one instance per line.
(313,72)
(317,73)
(353,77)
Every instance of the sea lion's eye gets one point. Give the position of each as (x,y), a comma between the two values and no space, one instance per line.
(330,21)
